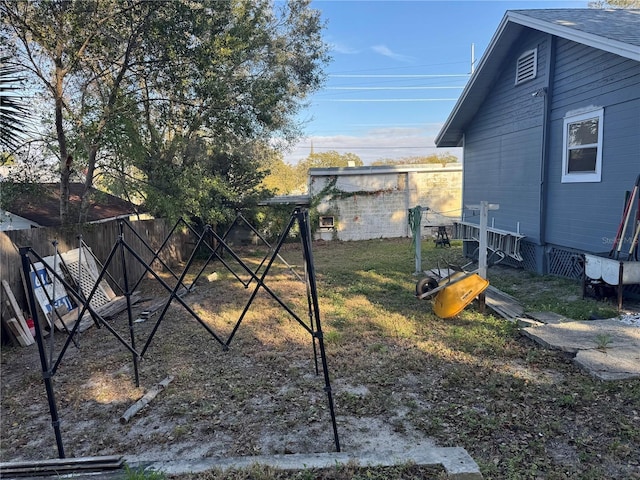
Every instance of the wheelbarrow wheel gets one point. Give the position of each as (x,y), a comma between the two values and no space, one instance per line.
(426,284)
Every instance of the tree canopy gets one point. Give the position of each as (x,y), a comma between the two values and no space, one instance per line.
(286,179)
(615,4)
(175,103)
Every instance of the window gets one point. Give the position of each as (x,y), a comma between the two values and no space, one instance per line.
(326,223)
(527,66)
(582,147)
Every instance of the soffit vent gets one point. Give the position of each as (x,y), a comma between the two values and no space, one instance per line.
(526,68)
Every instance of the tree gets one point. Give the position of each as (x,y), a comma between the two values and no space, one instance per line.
(155,96)
(266,63)
(615,4)
(80,52)
(330,158)
(282,178)
(13,111)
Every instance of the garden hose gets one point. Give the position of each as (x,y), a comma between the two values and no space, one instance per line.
(415,220)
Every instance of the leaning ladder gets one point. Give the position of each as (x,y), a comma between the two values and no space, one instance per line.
(499,241)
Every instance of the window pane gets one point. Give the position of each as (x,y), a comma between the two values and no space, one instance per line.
(583,133)
(582,160)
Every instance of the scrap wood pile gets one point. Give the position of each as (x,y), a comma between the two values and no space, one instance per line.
(59,308)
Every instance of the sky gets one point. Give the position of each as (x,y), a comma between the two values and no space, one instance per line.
(397,70)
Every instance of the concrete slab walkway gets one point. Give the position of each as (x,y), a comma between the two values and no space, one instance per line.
(608,349)
(455,460)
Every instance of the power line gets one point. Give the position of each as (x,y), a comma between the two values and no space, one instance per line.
(360,100)
(397,76)
(319,147)
(393,88)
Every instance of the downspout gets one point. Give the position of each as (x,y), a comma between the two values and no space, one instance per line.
(463,144)
(544,150)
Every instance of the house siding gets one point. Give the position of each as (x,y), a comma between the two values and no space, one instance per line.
(503,146)
(585,216)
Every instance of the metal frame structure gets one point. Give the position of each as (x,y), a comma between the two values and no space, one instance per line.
(299,216)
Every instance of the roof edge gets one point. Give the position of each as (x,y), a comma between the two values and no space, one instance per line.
(373,169)
(514,17)
(602,43)
(487,54)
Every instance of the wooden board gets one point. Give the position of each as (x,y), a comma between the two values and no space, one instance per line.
(8,330)
(17,312)
(62,466)
(503,304)
(107,311)
(144,401)
(17,332)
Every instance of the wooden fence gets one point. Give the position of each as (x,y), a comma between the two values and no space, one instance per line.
(101,239)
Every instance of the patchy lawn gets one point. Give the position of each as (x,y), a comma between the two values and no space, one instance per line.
(401,378)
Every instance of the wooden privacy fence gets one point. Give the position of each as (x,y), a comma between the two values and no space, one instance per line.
(100,238)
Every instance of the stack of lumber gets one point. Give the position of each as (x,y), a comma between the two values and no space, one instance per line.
(106,311)
(61,467)
(502,304)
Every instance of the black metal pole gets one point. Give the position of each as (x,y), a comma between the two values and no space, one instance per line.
(303,223)
(310,307)
(260,283)
(47,375)
(127,295)
(174,294)
(156,254)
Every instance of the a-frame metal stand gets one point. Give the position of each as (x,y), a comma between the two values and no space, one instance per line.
(299,217)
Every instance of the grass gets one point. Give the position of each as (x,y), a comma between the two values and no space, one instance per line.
(350,471)
(520,410)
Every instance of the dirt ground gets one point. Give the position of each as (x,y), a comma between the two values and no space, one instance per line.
(262,396)
(401,380)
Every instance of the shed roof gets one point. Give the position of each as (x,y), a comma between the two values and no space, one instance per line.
(612,30)
(43,205)
(384,169)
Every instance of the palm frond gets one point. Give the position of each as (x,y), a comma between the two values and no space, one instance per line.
(13,111)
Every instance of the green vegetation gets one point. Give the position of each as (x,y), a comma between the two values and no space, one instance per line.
(152,114)
(350,471)
(399,374)
(140,474)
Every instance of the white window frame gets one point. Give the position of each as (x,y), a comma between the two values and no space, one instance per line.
(582,177)
(520,79)
(326,222)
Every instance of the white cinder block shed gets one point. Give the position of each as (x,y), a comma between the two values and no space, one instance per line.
(361,203)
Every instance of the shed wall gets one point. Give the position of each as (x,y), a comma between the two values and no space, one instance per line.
(375,205)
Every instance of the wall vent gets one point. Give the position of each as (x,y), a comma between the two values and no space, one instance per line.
(527,66)
(326,222)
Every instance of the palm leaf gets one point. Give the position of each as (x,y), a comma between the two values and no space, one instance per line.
(13,112)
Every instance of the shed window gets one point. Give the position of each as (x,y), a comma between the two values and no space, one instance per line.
(326,222)
(582,143)
(527,66)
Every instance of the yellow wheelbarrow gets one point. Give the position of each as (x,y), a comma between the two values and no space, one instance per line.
(452,293)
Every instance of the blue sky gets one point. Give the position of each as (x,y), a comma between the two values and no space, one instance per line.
(397,69)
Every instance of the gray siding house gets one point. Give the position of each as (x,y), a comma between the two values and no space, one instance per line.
(550,128)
